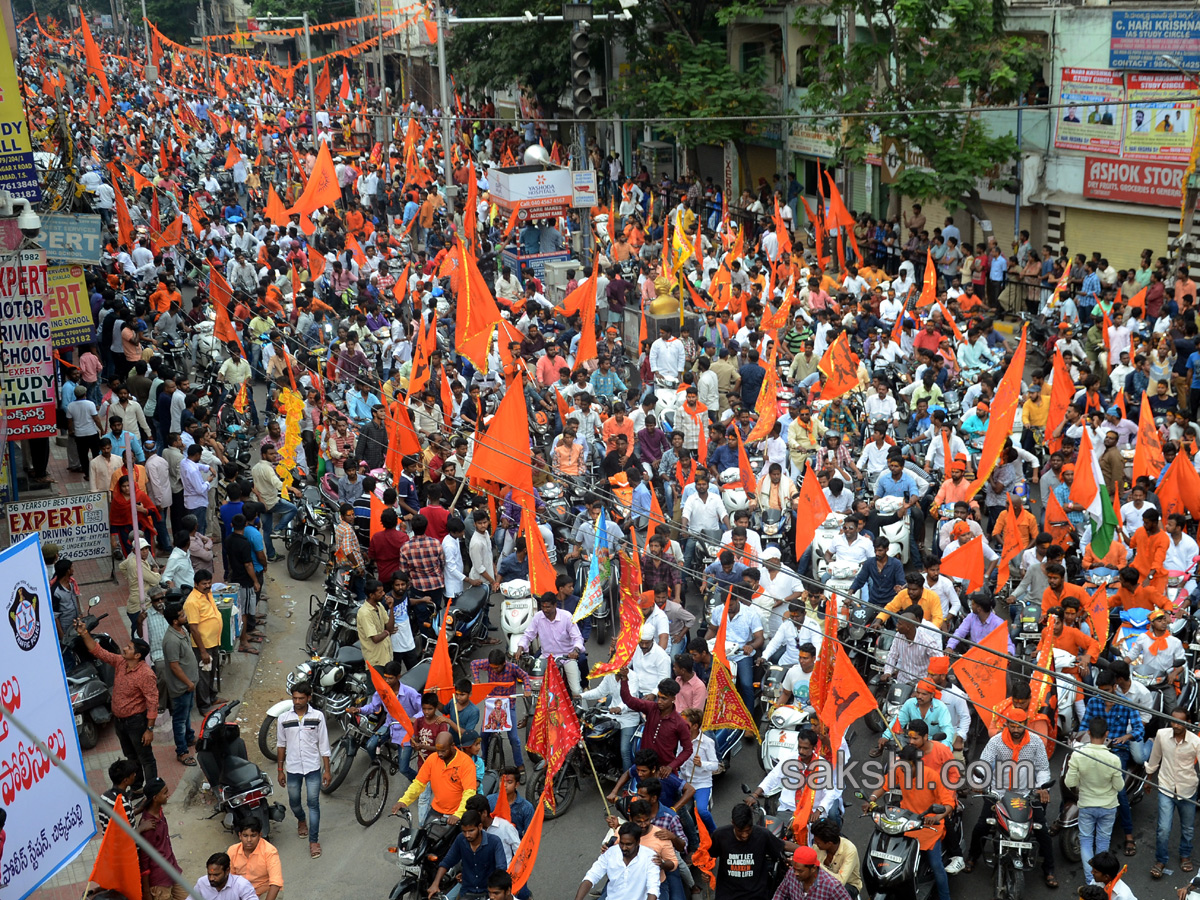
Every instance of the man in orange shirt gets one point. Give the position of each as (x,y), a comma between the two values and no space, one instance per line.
(1059,589)
(164,295)
(1149,545)
(934,756)
(919,790)
(1131,595)
(1026,524)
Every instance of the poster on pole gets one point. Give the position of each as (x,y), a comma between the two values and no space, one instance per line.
(1092,117)
(50,819)
(1160,117)
(69,307)
(77,523)
(26,359)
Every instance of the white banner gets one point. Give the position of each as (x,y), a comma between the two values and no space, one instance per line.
(78,524)
(49,818)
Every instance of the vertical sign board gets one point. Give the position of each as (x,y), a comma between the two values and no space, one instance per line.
(26,360)
(69,307)
(18,172)
(50,819)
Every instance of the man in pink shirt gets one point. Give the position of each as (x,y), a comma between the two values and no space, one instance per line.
(692,691)
(548,365)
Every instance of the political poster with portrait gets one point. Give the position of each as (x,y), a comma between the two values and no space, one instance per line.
(1160,117)
(1092,116)
(50,819)
(497,715)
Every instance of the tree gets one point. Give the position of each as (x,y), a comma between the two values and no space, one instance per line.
(176,20)
(921,55)
(319,11)
(679,78)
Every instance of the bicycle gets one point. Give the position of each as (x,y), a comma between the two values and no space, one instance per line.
(373,791)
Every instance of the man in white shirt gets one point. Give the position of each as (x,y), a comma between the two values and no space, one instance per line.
(874,456)
(650,663)
(667,357)
(631,869)
(850,545)
(703,513)
(303,741)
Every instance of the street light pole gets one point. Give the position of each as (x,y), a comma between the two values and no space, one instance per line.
(383,101)
(447,125)
(312,84)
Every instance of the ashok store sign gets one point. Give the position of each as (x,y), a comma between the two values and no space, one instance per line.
(1154,184)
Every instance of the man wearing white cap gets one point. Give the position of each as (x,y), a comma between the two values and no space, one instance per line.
(650,663)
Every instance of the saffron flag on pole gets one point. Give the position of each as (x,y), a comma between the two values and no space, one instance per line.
(702,859)
(116,867)
(541,570)
(1097,612)
(1000,423)
(982,671)
(839,365)
(322,188)
(1089,491)
(390,701)
(1179,491)
(1013,545)
(526,853)
(929,293)
(966,561)
(847,700)
(441,669)
(1147,452)
(1062,391)
(766,407)
(812,510)
(626,640)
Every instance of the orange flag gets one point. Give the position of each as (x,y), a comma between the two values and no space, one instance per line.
(812,510)
(171,235)
(1012,544)
(502,451)
(966,561)
(222,295)
(766,407)
(377,508)
(656,517)
(1147,453)
(503,808)
(116,867)
(95,67)
(275,211)
(355,249)
(848,700)
(1062,390)
(577,300)
(1138,300)
(701,858)
(423,349)
(949,319)
(441,670)
(233,157)
(388,697)
(316,261)
(981,671)
(1057,523)
(625,641)
(240,400)
(321,92)
(523,860)
(840,366)
(1000,423)
(928,284)
(476,313)
(344,87)
(1180,488)
(749,482)
(541,571)
(402,437)
(322,188)
(512,220)
(124,221)
(840,217)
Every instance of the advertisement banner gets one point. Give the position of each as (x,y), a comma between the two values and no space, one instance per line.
(71,237)
(1133,182)
(77,523)
(811,139)
(1158,126)
(69,307)
(541,192)
(1141,38)
(18,172)
(49,818)
(1093,118)
(26,361)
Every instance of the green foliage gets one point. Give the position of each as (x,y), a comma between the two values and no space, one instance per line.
(675,78)
(176,20)
(319,11)
(534,56)
(921,55)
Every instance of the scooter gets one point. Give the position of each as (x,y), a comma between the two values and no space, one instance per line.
(516,611)
(242,788)
(780,741)
(90,681)
(894,865)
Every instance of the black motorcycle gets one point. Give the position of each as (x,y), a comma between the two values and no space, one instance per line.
(418,852)
(603,735)
(332,619)
(241,787)
(1010,846)
(308,535)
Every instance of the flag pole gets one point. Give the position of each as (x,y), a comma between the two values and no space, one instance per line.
(595,774)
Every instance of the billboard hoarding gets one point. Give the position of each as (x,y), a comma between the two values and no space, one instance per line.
(26,360)
(1133,181)
(1158,125)
(78,523)
(1093,116)
(69,307)
(1141,38)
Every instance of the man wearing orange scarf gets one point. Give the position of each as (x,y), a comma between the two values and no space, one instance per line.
(1159,651)
(1018,763)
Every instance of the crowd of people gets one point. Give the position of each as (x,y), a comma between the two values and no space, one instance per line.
(875,382)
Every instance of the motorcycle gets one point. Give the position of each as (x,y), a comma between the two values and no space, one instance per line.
(516,610)
(894,865)
(418,852)
(90,681)
(242,788)
(1010,846)
(307,535)
(338,682)
(331,621)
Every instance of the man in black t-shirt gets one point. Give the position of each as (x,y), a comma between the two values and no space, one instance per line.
(240,555)
(746,855)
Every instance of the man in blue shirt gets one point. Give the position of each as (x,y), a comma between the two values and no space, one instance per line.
(721,455)
(896,482)
(478,852)
(725,572)
(750,379)
(118,437)
(882,576)
(997,271)
(521,810)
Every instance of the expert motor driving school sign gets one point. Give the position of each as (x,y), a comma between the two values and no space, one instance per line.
(26,357)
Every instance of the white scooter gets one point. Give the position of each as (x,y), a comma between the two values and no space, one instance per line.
(780,740)
(898,532)
(516,611)
(823,540)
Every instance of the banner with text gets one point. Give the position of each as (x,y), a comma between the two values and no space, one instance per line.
(1093,117)
(77,523)
(49,818)
(69,307)
(1158,125)
(26,360)
(18,171)
(1155,184)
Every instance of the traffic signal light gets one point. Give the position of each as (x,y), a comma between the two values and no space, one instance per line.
(581,75)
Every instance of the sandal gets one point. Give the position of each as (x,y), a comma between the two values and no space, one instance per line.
(187,759)
(256,638)
(875,752)
(1130,847)
(969,865)
(253,651)
(1157,870)
(1051,881)
(1185,864)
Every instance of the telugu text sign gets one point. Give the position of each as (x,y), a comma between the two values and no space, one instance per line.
(1092,117)
(78,524)
(1158,124)
(18,171)
(1140,39)
(69,307)
(49,817)
(26,360)
(1132,181)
